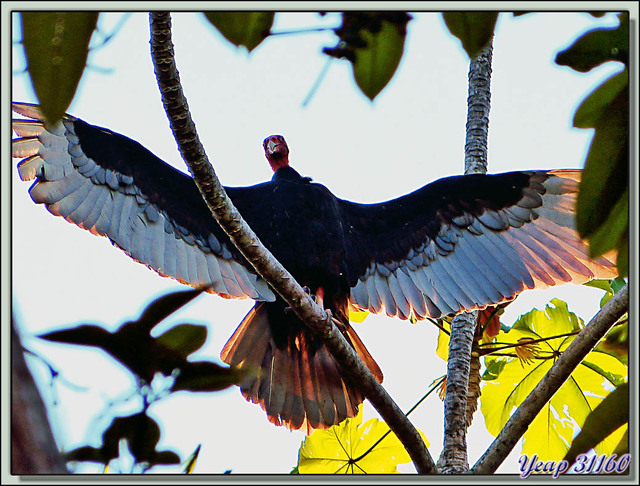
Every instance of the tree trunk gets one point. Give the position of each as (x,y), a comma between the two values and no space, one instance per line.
(33,448)
(453,459)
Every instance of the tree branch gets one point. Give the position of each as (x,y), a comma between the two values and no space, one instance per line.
(453,459)
(258,256)
(33,448)
(584,342)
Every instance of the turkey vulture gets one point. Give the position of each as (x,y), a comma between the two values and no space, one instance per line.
(461,242)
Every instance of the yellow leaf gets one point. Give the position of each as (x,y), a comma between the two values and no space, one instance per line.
(442,348)
(352,448)
(551,433)
(357,316)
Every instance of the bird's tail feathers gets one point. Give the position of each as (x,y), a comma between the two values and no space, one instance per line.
(297,381)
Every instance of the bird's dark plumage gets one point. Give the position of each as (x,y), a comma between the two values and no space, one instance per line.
(459,243)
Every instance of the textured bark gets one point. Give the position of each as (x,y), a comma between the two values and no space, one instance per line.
(33,448)
(473,392)
(584,342)
(260,258)
(453,459)
(478,106)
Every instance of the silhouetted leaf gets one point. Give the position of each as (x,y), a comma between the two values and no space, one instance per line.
(598,46)
(142,434)
(474,29)
(246,29)
(56,45)
(85,334)
(88,454)
(166,305)
(205,376)
(132,344)
(610,414)
(184,338)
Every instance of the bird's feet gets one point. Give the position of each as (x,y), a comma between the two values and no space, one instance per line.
(313,297)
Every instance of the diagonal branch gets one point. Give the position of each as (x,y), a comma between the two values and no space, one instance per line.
(552,381)
(258,256)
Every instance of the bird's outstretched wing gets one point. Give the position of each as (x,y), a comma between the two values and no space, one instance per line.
(113,186)
(465,242)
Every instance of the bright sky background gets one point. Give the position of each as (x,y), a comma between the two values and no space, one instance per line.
(412,134)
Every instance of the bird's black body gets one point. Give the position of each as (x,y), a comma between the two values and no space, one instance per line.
(459,243)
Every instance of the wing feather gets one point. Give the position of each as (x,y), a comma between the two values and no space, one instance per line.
(112,186)
(468,242)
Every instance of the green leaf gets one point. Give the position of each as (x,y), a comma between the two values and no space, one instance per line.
(617,284)
(376,63)
(184,338)
(600,283)
(611,414)
(596,104)
(613,232)
(493,368)
(56,45)
(605,175)
(474,29)
(598,46)
(246,29)
(616,342)
(353,448)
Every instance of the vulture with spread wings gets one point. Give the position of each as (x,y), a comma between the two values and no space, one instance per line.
(456,244)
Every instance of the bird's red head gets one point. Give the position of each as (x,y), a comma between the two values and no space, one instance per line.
(276,151)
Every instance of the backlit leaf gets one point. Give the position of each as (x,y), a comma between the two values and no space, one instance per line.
(609,415)
(376,63)
(344,449)
(553,429)
(56,45)
(167,304)
(246,29)
(357,317)
(474,29)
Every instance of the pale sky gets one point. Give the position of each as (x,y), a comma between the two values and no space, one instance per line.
(412,134)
